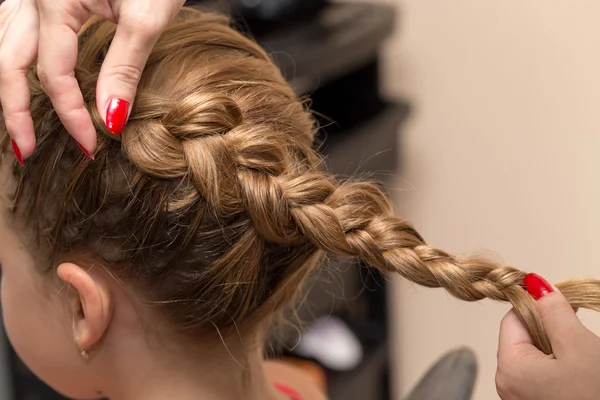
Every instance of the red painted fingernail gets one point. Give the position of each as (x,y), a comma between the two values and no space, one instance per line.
(17,153)
(116,115)
(87,153)
(537,286)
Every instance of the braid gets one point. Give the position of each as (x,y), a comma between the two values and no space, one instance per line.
(212,202)
(241,167)
(356,219)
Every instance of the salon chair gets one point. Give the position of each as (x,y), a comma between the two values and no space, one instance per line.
(452,377)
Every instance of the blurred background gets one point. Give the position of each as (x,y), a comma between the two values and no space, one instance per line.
(481,118)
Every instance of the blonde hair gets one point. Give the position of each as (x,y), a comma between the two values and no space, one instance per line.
(212,203)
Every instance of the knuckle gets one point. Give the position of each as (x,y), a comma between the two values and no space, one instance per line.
(500,381)
(6,65)
(511,373)
(127,74)
(4,68)
(506,385)
(45,79)
(548,312)
(145,25)
(149,27)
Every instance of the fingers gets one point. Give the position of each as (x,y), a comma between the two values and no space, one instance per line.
(139,27)
(513,332)
(8,9)
(122,69)
(514,339)
(523,371)
(56,40)
(560,321)
(56,64)
(520,363)
(17,53)
(558,317)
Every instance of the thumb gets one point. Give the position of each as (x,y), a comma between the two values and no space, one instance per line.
(560,321)
(122,69)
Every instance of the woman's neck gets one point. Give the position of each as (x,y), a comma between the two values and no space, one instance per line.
(215,374)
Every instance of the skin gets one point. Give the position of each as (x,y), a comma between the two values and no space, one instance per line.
(45,31)
(525,373)
(51,316)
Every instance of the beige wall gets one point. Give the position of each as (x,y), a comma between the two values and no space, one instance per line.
(502,153)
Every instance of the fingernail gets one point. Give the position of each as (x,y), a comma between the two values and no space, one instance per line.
(537,286)
(85,151)
(116,115)
(17,153)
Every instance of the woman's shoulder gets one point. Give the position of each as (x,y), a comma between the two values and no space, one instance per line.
(294,378)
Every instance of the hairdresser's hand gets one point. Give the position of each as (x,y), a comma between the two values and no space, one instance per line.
(525,373)
(46,31)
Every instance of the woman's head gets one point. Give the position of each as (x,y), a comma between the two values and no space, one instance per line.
(189,204)
(192,208)
(202,218)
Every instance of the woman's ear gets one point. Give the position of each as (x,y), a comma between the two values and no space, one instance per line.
(90,305)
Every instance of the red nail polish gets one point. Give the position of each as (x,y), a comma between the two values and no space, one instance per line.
(87,153)
(17,153)
(537,286)
(116,115)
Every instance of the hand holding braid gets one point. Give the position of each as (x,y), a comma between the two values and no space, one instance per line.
(360,223)
(355,219)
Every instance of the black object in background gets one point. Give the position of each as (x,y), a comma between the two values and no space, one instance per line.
(264,15)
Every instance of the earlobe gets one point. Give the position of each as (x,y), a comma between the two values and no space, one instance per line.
(90,305)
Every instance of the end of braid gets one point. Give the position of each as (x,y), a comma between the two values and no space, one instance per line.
(356,219)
